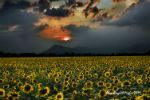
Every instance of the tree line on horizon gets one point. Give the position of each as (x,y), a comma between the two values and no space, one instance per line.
(2,54)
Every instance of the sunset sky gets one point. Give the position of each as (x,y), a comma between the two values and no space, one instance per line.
(104,26)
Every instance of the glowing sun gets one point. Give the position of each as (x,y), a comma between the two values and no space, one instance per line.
(66,38)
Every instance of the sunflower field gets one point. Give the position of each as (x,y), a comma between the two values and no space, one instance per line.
(75,78)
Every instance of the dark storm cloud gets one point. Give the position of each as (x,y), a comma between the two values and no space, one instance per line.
(137,16)
(77,31)
(15,4)
(59,12)
(112,39)
(25,38)
(92,2)
(15,16)
(42,4)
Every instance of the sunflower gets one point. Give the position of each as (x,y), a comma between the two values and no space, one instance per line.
(75,92)
(126,83)
(95,75)
(16,95)
(66,79)
(57,80)
(73,80)
(132,79)
(1,81)
(129,74)
(67,75)
(59,96)
(87,72)
(74,85)
(103,79)
(139,81)
(10,97)
(100,84)
(108,85)
(65,88)
(43,91)
(145,97)
(81,77)
(102,93)
(116,81)
(27,88)
(89,84)
(19,84)
(112,78)
(86,91)
(90,75)
(115,88)
(39,85)
(34,81)
(2,92)
(56,75)
(6,86)
(66,83)
(147,78)
(107,74)
(50,75)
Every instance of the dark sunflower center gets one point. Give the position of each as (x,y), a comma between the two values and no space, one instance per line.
(1,81)
(86,91)
(88,84)
(67,75)
(59,96)
(1,93)
(65,88)
(43,91)
(27,88)
(74,85)
(14,95)
(146,98)
(116,81)
(66,79)
(108,85)
(102,93)
(5,87)
(100,83)
(126,83)
(20,84)
(10,98)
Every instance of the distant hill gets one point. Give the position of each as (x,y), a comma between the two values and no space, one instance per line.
(58,49)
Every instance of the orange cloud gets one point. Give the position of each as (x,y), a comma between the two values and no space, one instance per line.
(55,28)
(55,32)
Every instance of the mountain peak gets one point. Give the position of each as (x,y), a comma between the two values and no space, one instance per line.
(59,49)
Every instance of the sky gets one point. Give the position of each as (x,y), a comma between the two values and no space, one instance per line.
(103,26)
